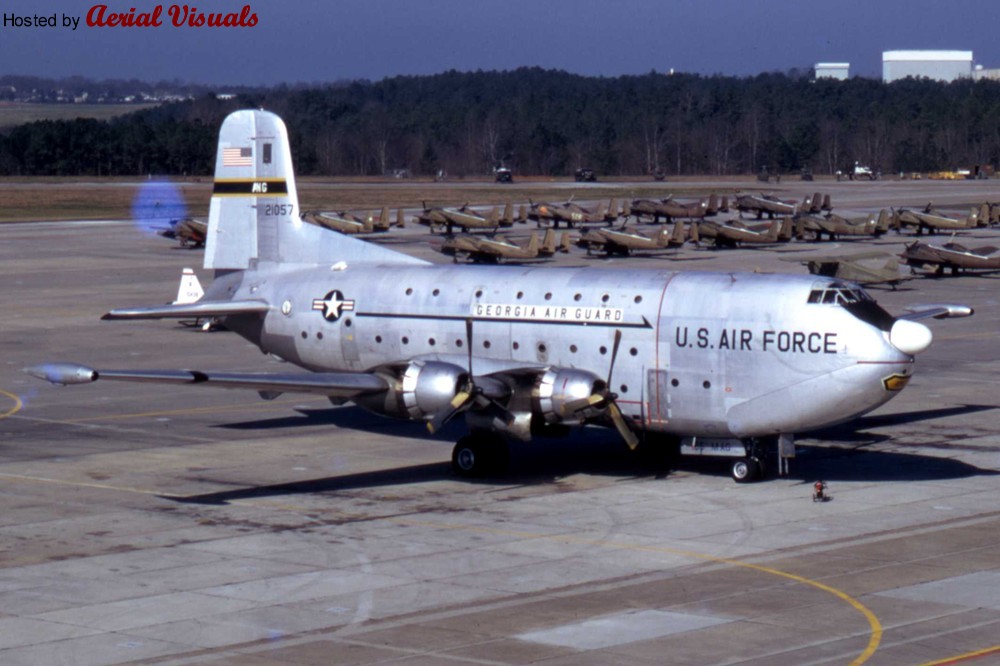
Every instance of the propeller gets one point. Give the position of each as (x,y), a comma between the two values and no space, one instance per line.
(464,397)
(604,399)
(468,395)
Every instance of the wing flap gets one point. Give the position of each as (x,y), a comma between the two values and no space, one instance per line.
(187,310)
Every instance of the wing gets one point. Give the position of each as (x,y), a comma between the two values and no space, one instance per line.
(331,384)
(184,311)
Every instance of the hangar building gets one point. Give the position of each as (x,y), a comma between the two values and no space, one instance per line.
(833,70)
(937,65)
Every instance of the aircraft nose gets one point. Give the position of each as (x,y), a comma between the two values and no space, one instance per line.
(910,337)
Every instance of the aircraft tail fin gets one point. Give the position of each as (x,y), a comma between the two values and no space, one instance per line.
(817,202)
(254,212)
(189,291)
(602,211)
(383,220)
(494,218)
(983,216)
(827,206)
(677,238)
(785,230)
(884,219)
(693,235)
(565,242)
(612,213)
(773,231)
(532,246)
(400,218)
(549,241)
(713,204)
(508,214)
(724,205)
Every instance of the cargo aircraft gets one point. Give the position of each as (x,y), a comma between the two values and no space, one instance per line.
(728,364)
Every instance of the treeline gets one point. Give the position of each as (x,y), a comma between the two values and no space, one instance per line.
(550,123)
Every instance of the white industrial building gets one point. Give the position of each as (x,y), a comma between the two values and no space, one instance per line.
(936,65)
(833,70)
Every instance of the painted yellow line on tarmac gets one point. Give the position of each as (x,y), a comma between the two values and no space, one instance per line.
(968,656)
(17,404)
(875,627)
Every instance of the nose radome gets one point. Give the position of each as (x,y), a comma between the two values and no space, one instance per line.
(910,337)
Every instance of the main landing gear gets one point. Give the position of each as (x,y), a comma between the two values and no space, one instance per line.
(480,453)
(745,470)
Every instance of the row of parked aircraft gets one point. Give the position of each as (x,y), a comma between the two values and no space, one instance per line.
(813,219)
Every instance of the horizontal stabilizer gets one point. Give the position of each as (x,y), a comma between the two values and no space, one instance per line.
(332,384)
(186,310)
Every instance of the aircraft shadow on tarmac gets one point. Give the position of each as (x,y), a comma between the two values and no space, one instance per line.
(599,453)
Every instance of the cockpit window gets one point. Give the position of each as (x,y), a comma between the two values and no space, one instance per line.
(837,293)
(854,300)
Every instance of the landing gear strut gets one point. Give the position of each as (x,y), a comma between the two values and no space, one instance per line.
(479,454)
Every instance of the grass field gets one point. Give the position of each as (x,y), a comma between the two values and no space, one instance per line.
(18,113)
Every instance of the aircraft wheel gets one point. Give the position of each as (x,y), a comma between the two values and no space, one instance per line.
(744,470)
(478,455)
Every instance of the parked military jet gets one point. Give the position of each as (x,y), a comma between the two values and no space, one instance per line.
(465,218)
(610,241)
(497,250)
(670,209)
(729,364)
(931,221)
(547,214)
(349,223)
(733,233)
(188,232)
(835,226)
(867,268)
(953,256)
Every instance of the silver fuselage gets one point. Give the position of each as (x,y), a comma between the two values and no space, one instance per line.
(702,354)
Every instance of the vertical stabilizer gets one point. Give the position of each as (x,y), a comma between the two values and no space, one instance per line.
(254,214)
(254,191)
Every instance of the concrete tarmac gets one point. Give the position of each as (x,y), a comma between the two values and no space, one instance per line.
(176,525)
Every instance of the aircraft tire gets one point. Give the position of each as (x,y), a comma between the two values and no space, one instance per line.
(478,455)
(744,470)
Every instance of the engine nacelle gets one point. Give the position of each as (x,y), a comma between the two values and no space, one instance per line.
(419,389)
(558,387)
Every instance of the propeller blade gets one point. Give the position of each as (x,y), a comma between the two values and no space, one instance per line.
(458,404)
(468,343)
(614,354)
(622,426)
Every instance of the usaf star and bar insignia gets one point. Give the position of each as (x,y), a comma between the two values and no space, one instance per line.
(333,305)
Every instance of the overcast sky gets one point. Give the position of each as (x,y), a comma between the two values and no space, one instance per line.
(330,40)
